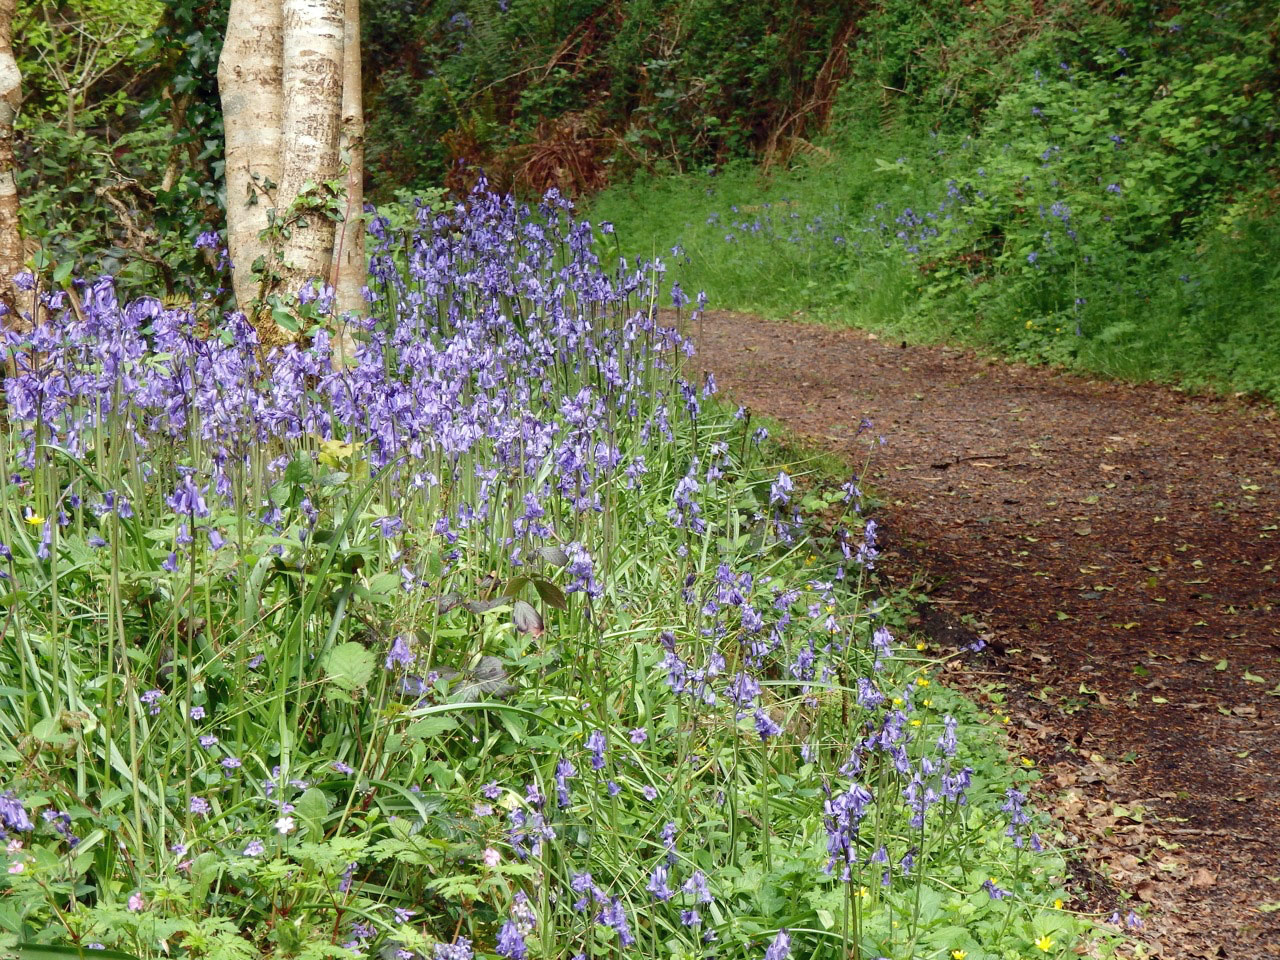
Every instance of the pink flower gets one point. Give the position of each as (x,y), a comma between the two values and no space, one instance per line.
(136,902)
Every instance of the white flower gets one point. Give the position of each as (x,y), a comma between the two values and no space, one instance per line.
(491,857)
(286,825)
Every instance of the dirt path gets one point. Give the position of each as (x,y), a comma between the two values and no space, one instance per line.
(1117,546)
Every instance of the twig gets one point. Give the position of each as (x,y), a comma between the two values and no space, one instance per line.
(977,456)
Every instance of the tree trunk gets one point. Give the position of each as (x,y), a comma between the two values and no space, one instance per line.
(249,83)
(313,60)
(350,265)
(10,97)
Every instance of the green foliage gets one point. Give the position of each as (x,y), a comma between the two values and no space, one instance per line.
(569,94)
(1102,198)
(119,137)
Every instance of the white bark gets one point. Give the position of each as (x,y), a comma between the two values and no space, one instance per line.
(313,60)
(350,265)
(249,82)
(10,98)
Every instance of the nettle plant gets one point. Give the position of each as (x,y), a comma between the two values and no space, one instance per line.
(498,641)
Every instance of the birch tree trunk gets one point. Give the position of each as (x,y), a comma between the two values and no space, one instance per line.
(350,265)
(289,78)
(310,124)
(10,97)
(249,82)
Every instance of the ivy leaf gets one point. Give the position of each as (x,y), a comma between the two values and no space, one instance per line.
(514,586)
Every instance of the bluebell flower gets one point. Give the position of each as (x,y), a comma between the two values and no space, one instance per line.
(597,744)
(13,815)
(511,942)
(400,655)
(780,948)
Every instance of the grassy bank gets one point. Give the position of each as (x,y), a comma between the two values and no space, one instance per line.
(1106,203)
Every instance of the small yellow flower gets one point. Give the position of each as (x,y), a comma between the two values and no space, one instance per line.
(927,702)
(1028,324)
(34,518)
(1028,762)
(864,892)
(916,723)
(1058,904)
(959,954)
(920,645)
(897,701)
(921,682)
(1044,943)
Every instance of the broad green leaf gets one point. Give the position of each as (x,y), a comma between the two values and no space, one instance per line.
(350,666)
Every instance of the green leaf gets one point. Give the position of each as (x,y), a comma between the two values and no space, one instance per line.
(44,951)
(312,808)
(349,666)
(428,728)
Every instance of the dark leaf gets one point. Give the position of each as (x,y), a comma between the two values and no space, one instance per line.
(550,594)
(450,601)
(514,586)
(526,619)
(484,606)
(554,555)
(489,678)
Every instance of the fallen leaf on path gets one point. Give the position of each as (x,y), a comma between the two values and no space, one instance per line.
(1203,878)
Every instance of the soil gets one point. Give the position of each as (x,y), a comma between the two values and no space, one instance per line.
(1117,547)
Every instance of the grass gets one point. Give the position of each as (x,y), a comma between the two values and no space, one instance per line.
(508,640)
(838,239)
